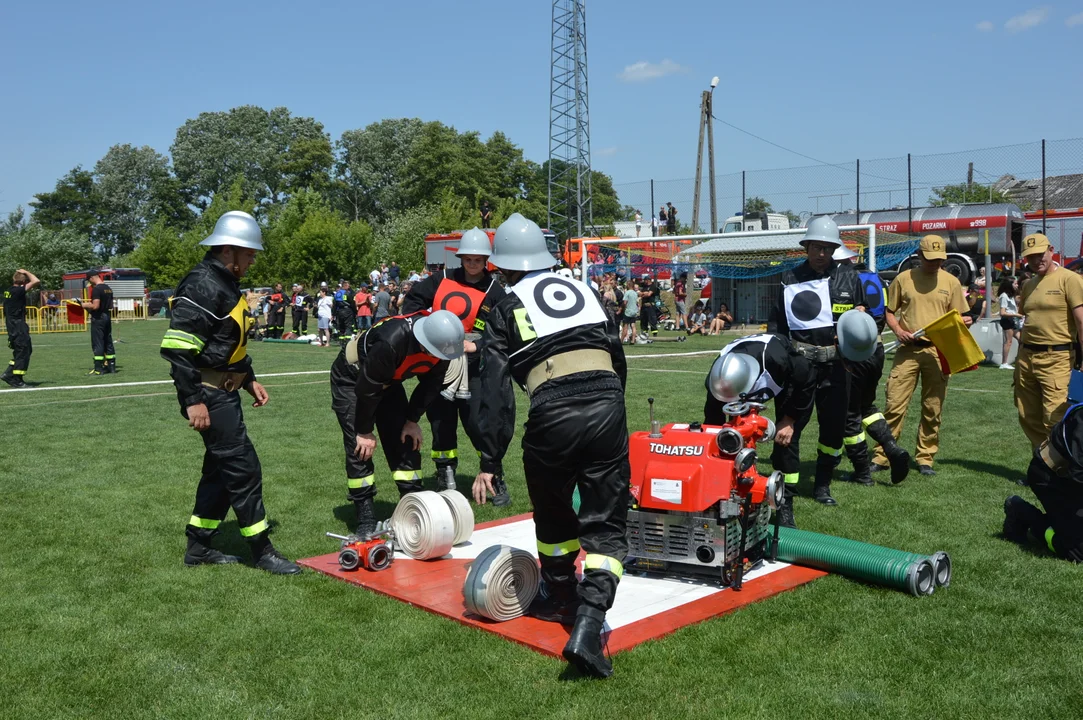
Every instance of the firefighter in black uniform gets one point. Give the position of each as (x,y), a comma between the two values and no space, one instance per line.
(1056,477)
(367,394)
(101,324)
(862,416)
(761,368)
(553,337)
(206,348)
(300,303)
(18,331)
(344,310)
(276,313)
(812,297)
(469,292)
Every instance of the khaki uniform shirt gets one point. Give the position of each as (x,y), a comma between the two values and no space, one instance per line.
(916,298)
(1048,301)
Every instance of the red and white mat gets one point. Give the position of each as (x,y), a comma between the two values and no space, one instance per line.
(646,607)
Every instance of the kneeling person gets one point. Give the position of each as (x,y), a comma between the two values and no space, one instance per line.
(1056,477)
(367,394)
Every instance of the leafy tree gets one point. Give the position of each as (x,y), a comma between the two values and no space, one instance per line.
(75,203)
(135,185)
(606,205)
(370,173)
(794,218)
(964,193)
(757,204)
(272,150)
(167,253)
(402,236)
(46,252)
(509,173)
(16,221)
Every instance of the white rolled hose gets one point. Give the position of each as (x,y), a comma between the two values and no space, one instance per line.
(501,583)
(461,513)
(424,525)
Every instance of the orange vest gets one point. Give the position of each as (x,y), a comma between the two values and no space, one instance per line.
(462,301)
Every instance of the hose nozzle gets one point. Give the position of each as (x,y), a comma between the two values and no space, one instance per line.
(656,429)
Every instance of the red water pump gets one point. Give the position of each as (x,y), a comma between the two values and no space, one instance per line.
(699,504)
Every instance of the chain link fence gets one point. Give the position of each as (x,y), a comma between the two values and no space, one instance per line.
(1036,176)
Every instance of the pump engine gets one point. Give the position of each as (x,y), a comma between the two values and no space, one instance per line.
(699,506)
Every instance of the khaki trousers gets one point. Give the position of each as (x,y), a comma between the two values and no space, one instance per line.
(910,364)
(1041,390)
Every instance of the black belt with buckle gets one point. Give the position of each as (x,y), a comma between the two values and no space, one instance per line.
(1065,347)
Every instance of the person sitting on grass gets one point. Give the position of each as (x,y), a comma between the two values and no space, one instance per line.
(722,321)
(697,320)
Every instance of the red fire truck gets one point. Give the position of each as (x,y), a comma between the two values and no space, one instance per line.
(440,247)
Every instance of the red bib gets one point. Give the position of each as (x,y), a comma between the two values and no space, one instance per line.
(461,300)
(415,365)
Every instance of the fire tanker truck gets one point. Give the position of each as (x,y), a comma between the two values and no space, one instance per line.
(962,226)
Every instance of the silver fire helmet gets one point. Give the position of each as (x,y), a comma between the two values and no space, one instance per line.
(842,254)
(520,245)
(474,242)
(238,229)
(822,229)
(441,334)
(857,335)
(732,375)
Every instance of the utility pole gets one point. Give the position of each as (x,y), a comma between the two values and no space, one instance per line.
(706,112)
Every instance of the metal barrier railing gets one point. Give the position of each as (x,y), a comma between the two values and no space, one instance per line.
(48,319)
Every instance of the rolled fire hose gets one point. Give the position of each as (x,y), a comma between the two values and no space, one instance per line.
(501,583)
(903,571)
(941,560)
(461,513)
(424,525)
(456,381)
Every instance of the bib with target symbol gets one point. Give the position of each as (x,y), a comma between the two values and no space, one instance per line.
(765,380)
(554,303)
(808,304)
(461,300)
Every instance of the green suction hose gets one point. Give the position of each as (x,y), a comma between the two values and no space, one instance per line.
(940,560)
(912,573)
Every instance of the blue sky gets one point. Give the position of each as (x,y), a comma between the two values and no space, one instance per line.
(835,81)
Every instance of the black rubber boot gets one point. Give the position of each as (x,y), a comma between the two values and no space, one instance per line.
(896,455)
(8,374)
(584,647)
(269,559)
(366,517)
(409,486)
(199,554)
(99,367)
(110,367)
(15,381)
(501,498)
(1019,517)
(858,454)
(785,512)
(558,597)
(445,477)
(822,494)
(825,468)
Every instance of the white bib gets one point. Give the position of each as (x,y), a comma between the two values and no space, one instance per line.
(554,303)
(765,380)
(808,305)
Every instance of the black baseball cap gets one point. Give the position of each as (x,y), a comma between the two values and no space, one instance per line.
(92,273)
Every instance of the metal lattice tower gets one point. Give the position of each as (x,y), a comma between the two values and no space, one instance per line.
(570,207)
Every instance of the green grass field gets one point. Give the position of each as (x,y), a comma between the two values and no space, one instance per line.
(99,618)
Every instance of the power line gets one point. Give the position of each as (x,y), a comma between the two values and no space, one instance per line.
(800,154)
